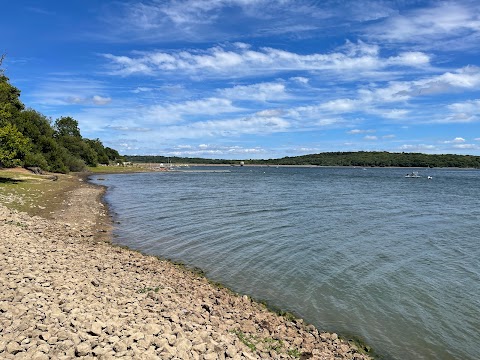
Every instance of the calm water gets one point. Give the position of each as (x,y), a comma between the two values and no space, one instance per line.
(393,260)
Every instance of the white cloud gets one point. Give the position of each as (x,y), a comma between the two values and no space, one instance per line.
(243,61)
(300,79)
(177,112)
(392,113)
(256,92)
(465,146)
(360,131)
(227,127)
(457,140)
(471,106)
(370,137)
(373,99)
(411,58)
(209,20)
(99,100)
(68,90)
(341,105)
(270,113)
(417,148)
(462,112)
(209,150)
(448,25)
(125,128)
(141,89)
(390,136)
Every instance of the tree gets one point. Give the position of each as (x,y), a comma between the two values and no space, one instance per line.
(13,146)
(113,154)
(67,126)
(10,104)
(97,146)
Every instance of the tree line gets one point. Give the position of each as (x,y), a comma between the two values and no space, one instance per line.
(357,158)
(30,139)
(160,159)
(378,159)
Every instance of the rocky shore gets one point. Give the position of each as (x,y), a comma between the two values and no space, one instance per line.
(65,292)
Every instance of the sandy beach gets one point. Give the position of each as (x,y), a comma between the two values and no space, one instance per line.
(66,292)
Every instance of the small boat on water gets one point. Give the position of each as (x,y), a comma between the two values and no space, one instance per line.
(413,174)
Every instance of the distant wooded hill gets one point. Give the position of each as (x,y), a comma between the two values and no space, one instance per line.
(360,158)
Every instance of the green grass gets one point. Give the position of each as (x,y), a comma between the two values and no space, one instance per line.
(149,289)
(248,340)
(270,344)
(116,169)
(34,194)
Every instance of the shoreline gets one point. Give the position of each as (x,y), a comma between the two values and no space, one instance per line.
(69,292)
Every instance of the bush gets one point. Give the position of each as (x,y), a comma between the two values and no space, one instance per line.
(36,160)
(74,164)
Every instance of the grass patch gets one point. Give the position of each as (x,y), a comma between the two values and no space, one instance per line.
(268,344)
(248,340)
(116,169)
(294,353)
(289,316)
(148,289)
(360,345)
(34,194)
(17,223)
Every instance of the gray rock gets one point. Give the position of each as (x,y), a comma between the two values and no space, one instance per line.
(83,349)
(13,347)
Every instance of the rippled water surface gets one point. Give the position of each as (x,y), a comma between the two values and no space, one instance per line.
(367,252)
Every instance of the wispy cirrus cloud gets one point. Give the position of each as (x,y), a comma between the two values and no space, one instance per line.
(68,90)
(212,150)
(272,91)
(239,60)
(172,113)
(374,99)
(418,148)
(447,25)
(207,20)
(360,131)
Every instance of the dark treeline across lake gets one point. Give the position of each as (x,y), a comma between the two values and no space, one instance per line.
(367,252)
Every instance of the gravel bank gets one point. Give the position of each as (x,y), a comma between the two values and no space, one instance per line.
(65,293)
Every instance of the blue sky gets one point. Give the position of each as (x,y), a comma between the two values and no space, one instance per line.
(240,79)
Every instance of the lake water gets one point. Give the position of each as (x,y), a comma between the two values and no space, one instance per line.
(365,252)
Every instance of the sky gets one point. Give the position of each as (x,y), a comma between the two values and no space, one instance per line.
(252,79)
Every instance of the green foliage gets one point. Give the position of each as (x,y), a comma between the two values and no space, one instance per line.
(35,159)
(175,159)
(360,158)
(148,289)
(67,126)
(10,104)
(27,137)
(248,340)
(377,158)
(97,146)
(268,344)
(113,154)
(13,146)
